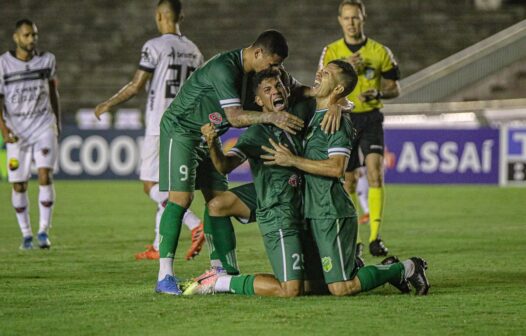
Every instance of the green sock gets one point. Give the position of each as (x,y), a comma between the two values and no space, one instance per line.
(373,276)
(169,229)
(210,237)
(242,284)
(224,240)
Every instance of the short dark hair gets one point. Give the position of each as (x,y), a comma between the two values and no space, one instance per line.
(357,3)
(175,5)
(273,42)
(259,77)
(22,22)
(347,75)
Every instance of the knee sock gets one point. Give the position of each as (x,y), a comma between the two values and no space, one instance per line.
(170,229)
(373,276)
(224,241)
(376,207)
(362,189)
(209,237)
(20,203)
(242,284)
(46,200)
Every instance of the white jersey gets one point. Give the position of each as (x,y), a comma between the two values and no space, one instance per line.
(25,88)
(171,58)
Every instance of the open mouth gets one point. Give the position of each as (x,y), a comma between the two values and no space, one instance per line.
(278,103)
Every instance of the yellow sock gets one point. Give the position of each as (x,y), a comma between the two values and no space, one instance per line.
(354,199)
(376,209)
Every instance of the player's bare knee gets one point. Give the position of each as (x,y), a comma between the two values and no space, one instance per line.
(291,288)
(44,177)
(217,206)
(146,187)
(20,187)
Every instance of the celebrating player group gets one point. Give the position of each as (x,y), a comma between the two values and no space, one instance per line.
(301,143)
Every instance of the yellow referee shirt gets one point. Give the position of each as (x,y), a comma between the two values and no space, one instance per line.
(379,63)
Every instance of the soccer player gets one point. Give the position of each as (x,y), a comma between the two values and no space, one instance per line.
(211,94)
(279,199)
(30,124)
(166,62)
(329,210)
(378,77)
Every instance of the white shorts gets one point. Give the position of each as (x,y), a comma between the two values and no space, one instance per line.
(149,170)
(43,151)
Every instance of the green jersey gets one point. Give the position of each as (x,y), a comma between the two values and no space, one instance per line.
(211,88)
(278,189)
(325,197)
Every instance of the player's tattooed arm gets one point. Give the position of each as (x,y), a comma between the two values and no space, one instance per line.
(284,120)
(7,134)
(127,92)
(55,103)
(223,163)
(280,155)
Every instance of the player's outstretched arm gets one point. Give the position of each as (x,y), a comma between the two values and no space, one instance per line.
(280,155)
(242,118)
(127,92)
(223,163)
(55,103)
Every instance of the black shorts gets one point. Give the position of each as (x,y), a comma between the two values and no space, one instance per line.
(247,194)
(369,137)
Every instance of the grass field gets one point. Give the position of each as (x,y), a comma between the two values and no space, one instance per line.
(90,284)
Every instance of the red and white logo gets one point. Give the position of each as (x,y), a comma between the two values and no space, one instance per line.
(293,181)
(215,118)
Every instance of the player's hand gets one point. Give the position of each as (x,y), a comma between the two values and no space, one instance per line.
(331,120)
(286,121)
(101,109)
(357,62)
(279,155)
(9,136)
(369,95)
(209,132)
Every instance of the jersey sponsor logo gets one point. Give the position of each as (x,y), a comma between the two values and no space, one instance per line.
(215,118)
(326,263)
(145,55)
(13,164)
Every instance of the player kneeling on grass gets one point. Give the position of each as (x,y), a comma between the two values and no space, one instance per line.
(328,209)
(279,210)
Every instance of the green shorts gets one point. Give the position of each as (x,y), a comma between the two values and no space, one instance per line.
(185,165)
(282,240)
(247,194)
(336,241)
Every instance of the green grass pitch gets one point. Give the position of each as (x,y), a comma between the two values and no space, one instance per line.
(89,283)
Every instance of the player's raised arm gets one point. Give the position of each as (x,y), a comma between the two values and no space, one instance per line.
(223,163)
(284,120)
(127,92)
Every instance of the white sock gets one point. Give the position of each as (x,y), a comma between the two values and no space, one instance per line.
(156,195)
(191,220)
(166,267)
(216,263)
(46,200)
(158,215)
(362,190)
(223,284)
(160,198)
(409,268)
(20,202)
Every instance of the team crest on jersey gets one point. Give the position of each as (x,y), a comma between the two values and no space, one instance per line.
(13,164)
(369,73)
(326,263)
(215,118)
(45,151)
(294,181)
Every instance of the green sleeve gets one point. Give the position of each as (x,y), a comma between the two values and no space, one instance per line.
(224,79)
(339,143)
(248,145)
